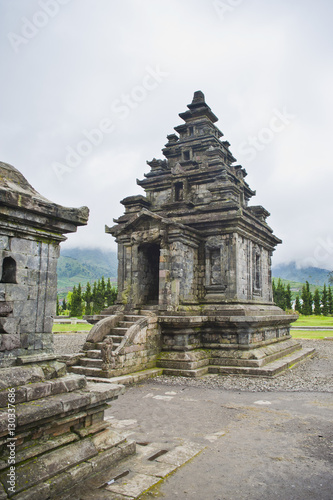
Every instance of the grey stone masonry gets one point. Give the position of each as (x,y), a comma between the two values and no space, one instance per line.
(193,239)
(196,253)
(31,229)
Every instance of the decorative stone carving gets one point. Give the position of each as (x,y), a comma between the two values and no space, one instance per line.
(107,354)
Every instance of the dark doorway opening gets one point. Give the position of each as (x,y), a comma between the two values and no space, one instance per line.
(8,270)
(149,265)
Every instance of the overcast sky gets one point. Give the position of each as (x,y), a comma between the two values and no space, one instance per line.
(91,88)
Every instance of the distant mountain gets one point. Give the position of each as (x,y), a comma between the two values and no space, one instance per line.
(80,265)
(314,275)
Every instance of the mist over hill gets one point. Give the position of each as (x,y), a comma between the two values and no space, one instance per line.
(80,265)
(314,275)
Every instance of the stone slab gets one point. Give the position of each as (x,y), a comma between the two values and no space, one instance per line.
(35,358)
(133,486)
(180,454)
(155,469)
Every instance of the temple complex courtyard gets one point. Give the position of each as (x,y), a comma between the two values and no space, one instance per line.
(238,437)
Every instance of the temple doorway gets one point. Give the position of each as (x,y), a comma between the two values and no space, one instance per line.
(149,263)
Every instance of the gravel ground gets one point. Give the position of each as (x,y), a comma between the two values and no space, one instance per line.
(315,374)
(69,343)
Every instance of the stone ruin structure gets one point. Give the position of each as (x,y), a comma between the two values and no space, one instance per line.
(194,274)
(52,429)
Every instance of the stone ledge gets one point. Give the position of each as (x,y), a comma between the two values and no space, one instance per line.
(131,378)
(270,370)
(23,360)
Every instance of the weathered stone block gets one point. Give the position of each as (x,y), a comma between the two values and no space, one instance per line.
(12,377)
(41,491)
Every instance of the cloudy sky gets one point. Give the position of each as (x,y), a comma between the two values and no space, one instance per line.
(91,88)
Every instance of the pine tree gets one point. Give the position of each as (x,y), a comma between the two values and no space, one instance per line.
(72,302)
(288,304)
(88,298)
(64,304)
(316,302)
(58,307)
(280,299)
(103,286)
(324,301)
(306,299)
(298,306)
(94,298)
(79,300)
(111,293)
(76,302)
(330,300)
(100,299)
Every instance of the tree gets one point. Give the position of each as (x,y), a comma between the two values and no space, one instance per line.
(110,294)
(76,302)
(279,295)
(100,298)
(288,304)
(64,304)
(316,302)
(324,301)
(298,306)
(306,299)
(87,297)
(58,307)
(330,300)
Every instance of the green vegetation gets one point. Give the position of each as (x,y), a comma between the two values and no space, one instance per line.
(314,321)
(91,301)
(299,334)
(296,286)
(57,328)
(307,302)
(77,265)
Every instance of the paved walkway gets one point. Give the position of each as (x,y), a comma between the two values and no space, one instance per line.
(251,446)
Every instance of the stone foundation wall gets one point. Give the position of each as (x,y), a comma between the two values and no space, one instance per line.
(31,298)
(60,435)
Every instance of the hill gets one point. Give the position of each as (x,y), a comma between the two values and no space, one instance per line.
(314,275)
(80,265)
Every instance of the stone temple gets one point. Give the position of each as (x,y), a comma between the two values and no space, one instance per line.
(196,257)
(52,429)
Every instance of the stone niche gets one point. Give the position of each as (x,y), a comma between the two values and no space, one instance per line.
(194,251)
(52,429)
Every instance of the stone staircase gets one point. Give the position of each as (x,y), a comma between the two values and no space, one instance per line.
(91,364)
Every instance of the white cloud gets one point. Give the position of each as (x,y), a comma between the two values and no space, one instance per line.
(262,56)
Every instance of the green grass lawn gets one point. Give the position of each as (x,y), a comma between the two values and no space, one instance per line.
(57,328)
(314,321)
(301,334)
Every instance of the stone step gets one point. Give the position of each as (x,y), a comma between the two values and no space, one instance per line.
(88,371)
(225,361)
(199,372)
(126,324)
(131,378)
(91,362)
(94,353)
(269,370)
(119,331)
(182,365)
(116,338)
(132,318)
